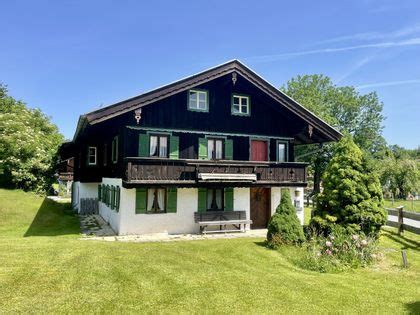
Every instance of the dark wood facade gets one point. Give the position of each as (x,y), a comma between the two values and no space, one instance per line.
(268,121)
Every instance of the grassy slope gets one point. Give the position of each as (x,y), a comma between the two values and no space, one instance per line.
(51,270)
(408,205)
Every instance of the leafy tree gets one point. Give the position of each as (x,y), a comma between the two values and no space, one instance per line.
(28,145)
(352,195)
(342,107)
(284,226)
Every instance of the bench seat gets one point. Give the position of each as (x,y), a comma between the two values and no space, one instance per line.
(221,218)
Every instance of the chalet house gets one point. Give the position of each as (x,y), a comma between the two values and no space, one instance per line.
(215,146)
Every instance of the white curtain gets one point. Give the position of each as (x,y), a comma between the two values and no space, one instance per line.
(282,152)
(150,198)
(153,145)
(161,199)
(210,149)
(219,149)
(219,198)
(163,147)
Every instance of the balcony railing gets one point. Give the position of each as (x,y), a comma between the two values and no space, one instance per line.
(193,172)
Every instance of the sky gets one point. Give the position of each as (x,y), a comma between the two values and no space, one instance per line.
(71,57)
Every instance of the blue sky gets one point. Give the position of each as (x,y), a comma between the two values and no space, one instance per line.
(70,57)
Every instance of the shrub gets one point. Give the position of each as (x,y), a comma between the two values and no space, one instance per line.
(352,195)
(339,251)
(284,226)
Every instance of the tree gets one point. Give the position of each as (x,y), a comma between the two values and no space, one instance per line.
(352,195)
(342,107)
(28,145)
(284,226)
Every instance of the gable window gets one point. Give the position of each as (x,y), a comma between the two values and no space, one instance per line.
(215,200)
(92,156)
(240,105)
(114,151)
(215,149)
(282,149)
(198,100)
(158,146)
(156,200)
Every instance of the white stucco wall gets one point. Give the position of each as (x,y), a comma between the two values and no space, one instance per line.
(276,196)
(172,223)
(242,201)
(111,215)
(84,190)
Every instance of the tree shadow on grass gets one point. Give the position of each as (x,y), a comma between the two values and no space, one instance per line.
(413,308)
(53,219)
(401,239)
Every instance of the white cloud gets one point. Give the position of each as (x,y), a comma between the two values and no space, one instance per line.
(388,83)
(269,58)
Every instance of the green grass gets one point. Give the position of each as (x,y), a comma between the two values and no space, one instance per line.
(408,204)
(44,267)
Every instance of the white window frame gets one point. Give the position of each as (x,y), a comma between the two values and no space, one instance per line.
(240,98)
(95,155)
(195,106)
(114,150)
(286,151)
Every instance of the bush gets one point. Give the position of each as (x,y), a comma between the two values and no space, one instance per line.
(352,195)
(284,226)
(339,251)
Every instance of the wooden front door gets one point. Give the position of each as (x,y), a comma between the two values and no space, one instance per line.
(260,207)
(259,150)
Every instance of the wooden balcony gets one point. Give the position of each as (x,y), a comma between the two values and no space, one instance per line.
(190,173)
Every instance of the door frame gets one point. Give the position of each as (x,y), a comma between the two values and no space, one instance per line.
(268,209)
(267,140)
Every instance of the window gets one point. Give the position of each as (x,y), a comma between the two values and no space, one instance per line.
(105,154)
(156,200)
(158,146)
(198,100)
(92,156)
(114,153)
(215,149)
(215,200)
(281,151)
(240,105)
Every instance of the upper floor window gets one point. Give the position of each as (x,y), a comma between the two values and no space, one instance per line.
(282,151)
(158,146)
(114,151)
(92,156)
(215,149)
(240,105)
(198,100)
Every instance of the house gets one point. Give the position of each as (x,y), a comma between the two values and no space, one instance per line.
(220,141)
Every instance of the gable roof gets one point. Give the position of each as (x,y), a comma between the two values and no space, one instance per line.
(165,91)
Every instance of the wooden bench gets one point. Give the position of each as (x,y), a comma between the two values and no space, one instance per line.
(237,219)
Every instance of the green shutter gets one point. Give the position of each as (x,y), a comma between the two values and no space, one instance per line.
(112,197)
(229,199)
(202,196)
(99,192)
(171,195)
(174,147)
(108,197)
(103,193)
(141,197)
(117,199)
(229,149)
(202,148)
(144,145)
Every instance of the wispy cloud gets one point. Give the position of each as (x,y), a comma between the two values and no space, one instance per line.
(355,67)
(269,58)
(369,36)
(388,83)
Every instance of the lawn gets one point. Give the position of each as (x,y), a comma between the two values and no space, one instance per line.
(46,268)
(408,204)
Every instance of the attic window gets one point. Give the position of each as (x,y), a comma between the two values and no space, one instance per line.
(92,156)
(240,105)
(198,100)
